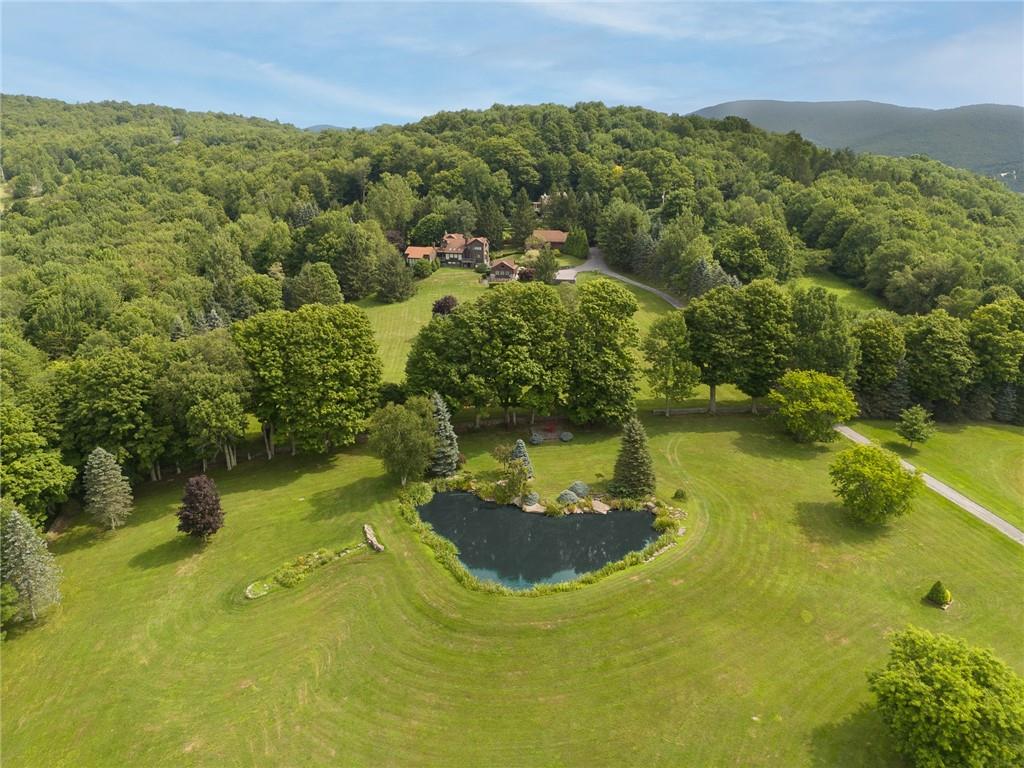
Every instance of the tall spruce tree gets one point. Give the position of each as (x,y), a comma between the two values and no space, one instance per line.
(108,495)
(27,565)
(519,453)
(445,459)
(200,513)
(634,470)
(524,219)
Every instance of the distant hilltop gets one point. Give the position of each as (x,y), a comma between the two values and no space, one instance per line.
(985,138)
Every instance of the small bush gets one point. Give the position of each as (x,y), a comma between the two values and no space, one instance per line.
(422,268)
(536,439)
(552,509)
(680,494)
(483,269)
(565,437)
(939,595)
(416,494)
(663,523)
(567,497)
(531,498)
(580,488)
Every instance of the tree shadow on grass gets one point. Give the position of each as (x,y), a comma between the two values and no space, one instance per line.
(859,739)
(166,553)
(828,523)
(778,446)
(355,497)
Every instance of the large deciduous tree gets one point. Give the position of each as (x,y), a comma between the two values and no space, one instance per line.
(316,371)
(940,363)
(32,475)
(767,342)
(717,332)
(315,283)
(402,436)
(670,369)
(873,485)
(108,495)
(602,337)
(946,703)
(915,425)
(620,224)
(823,339)
(810,403)
(394,279)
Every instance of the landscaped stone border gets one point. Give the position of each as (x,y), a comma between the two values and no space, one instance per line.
(447,554)
(294,572)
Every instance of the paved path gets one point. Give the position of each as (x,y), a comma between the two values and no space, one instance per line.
(947,492)
(596,263)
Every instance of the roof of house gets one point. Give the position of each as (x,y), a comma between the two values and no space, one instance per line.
(483,240)
(551,235)
(453,241)
(504,263)
(420,252)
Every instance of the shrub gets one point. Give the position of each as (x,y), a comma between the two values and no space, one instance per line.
(531,498)
(580,488)
(554,509)
(565,437)
(445,305)
(567,497)
(483,269)
(422,268)
(939,595)
(680,494)
(416,494)
(519,453)
(663,523)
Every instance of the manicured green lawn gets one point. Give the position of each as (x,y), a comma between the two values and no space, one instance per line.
(850,296)
(984,461)
(396,325)
(745,645)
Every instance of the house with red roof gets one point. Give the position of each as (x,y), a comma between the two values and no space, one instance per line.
(416,253)
(553,237)
(456,249)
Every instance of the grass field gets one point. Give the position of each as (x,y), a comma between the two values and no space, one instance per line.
(984,461)
(850,296)
(745,645)
(396,325)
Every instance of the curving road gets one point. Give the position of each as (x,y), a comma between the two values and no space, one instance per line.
(596,263)
(953,495)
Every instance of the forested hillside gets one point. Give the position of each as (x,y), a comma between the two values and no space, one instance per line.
(985,138)
(167,273)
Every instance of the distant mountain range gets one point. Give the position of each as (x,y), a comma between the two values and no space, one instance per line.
(985,138)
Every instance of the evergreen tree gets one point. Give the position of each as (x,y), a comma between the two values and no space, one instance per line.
(916,425)
(546,265)
(200,514)
(108,496)
(491,223)
(27,565)
(178,330)
(939,595)
(519,454)
(524,220)
(707,275)
(394,279)
(634,470)
(445,459)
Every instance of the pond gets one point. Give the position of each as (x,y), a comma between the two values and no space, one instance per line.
(520,549)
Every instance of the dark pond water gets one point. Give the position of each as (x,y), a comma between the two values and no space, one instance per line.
(520,549)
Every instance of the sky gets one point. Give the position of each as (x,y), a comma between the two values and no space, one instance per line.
(361,64)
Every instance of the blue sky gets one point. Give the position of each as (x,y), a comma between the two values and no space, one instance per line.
(360,64)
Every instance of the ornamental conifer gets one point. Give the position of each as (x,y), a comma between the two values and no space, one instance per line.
(634,469)
(27,565)
(444,462)
(108,496)
(519,452)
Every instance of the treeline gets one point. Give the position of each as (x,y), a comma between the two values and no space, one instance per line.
(520,347)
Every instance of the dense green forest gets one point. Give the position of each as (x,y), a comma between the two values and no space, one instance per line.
(166,273)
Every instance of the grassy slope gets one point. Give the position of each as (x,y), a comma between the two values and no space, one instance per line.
(850,296)
(747,645)
(984,461)
(396,325)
